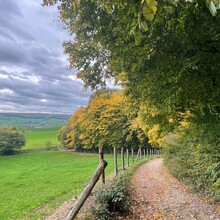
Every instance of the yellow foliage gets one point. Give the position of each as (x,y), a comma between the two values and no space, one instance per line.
(170,120)
(154,136)
(184,123)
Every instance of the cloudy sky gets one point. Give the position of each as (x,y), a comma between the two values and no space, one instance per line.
(33,68)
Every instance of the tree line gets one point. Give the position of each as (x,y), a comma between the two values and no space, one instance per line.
(109,121)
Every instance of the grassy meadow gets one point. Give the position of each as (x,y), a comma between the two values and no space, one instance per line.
(29,181)
(37,137)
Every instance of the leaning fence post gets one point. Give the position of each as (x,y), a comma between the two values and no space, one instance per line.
(85,194)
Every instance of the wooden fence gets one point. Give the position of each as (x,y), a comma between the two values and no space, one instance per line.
(100,171)
(141,154)
(86,192)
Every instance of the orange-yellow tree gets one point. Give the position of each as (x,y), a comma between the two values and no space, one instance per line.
(107,121)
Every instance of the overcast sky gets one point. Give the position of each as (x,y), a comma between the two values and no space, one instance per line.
(33,68)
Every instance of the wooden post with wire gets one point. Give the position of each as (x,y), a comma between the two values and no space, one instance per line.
(87,191)
(115,161)
(122,159)
(127,157)
(101,157)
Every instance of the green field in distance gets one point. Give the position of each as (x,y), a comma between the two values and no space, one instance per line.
(37,137)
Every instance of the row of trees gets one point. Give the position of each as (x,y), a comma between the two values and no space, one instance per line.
(168,64)
(108,121)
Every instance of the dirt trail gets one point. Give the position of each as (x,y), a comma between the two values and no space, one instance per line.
(158,195)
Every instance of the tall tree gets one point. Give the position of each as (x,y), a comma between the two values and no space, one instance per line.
(166,54)
(107,121)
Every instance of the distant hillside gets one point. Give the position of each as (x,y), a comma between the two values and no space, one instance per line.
(33,120)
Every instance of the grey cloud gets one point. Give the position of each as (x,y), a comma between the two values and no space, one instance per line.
(9,8)
(11,53)
(31,40)
(56,94)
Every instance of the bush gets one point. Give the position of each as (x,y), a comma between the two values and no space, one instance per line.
(48,145)
(112,199)
(11,139)
(193,156)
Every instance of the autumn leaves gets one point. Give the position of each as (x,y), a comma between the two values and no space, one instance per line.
(109,120)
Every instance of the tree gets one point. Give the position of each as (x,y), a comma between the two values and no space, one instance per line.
(107,121)
(167,62)
(173,64)
(11,139)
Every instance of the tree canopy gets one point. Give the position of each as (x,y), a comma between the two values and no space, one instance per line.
(166,55)
(107,121)
(173,62)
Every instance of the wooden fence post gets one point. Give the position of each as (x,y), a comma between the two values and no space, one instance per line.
(88,189)
(144,154)
(138,153)
(147,153)
(101,157)
(132,155)
(115,161)
(127,157)
(122,158)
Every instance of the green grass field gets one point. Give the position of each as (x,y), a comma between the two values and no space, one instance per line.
(37,137)
(29,181)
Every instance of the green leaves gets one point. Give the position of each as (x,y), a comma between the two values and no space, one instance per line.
(144,25)
(149,9)
(213,6)
(147,13)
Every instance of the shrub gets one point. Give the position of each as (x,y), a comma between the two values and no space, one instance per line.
(112,199)
(193,156)
(48,145)
(11,139)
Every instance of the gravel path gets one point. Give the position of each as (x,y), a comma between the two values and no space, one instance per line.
(158,195)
